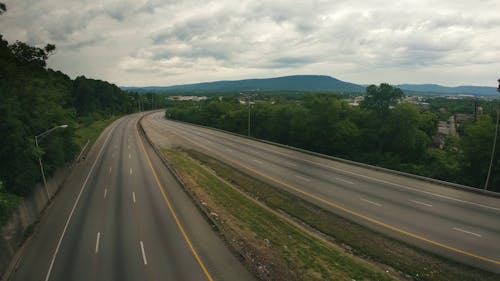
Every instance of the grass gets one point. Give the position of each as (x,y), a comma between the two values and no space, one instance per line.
(410,261)
(272,247)
(91,132)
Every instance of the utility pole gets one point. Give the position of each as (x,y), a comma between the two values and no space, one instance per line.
(247,96)
(494,143)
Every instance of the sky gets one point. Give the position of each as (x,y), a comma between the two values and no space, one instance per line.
(165,42)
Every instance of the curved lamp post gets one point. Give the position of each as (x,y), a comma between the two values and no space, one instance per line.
(37,138)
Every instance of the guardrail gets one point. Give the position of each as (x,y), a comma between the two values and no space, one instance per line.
(413,176)
(177,178)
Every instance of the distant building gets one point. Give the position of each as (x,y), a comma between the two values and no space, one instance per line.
(186,98)
(445,129)
(355,101)
(462,117)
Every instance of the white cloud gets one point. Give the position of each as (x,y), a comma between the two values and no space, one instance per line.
(172,42)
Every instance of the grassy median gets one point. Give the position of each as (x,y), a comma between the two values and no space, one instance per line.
(272,247)
(408,261)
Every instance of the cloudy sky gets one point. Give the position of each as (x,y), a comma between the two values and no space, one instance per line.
(165,42)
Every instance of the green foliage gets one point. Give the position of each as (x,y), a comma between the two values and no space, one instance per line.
(36,99)
(26,54)
(380,132)
(381,98)
(8,203)
(477,145)
(3,8)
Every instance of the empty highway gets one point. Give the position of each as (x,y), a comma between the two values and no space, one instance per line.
(458,224)
(122,216)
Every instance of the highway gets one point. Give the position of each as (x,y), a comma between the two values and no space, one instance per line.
(458,224)
(122,216)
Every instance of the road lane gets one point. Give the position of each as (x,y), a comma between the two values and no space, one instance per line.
(343,184)
(121,228)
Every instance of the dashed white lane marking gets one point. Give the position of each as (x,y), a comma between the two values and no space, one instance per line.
(110,167)
(133,196)
(229,150)
(258,161)
(344,180)
(97,242)
(420,203)
(143,254)
(105,192)
(371,202)
(131,171)
(468,232)
(290,163)
(129,156)
(302,178)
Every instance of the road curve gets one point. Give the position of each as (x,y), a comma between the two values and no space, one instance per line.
(122,216)
(458,224)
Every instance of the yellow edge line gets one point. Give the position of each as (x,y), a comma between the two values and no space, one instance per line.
(374,221)
(169,205)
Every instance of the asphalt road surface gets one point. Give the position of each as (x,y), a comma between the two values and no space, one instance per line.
(122,216)
(458,224)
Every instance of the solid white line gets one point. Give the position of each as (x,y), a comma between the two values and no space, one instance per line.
(143,254)
(343,180)
(105,192)
(74,207)
(302,178)
(371,202)
(290,163)
(130,170)
(468,232)
(258,161)
(97,242)
(420,202)
(133,196)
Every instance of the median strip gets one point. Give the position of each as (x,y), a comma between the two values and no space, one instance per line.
(405,259)
(272,247)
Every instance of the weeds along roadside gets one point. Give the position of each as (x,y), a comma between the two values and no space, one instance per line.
(406,260)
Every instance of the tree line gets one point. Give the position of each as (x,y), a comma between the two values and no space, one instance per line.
(33,99)
(382,131)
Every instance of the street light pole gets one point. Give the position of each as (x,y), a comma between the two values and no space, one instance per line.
(248,101)
(39,137)
(494,143)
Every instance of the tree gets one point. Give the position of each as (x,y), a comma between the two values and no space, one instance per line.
(3,8)
(476,146)
(30,55)
(381,98)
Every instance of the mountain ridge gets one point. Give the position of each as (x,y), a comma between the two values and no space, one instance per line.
(308,83)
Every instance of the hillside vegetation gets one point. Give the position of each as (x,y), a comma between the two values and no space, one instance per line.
(35,99)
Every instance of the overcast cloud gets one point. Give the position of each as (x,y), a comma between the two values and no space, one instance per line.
(159,42)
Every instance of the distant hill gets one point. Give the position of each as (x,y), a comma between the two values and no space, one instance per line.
(309,83)
(301,83)
(437,89)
